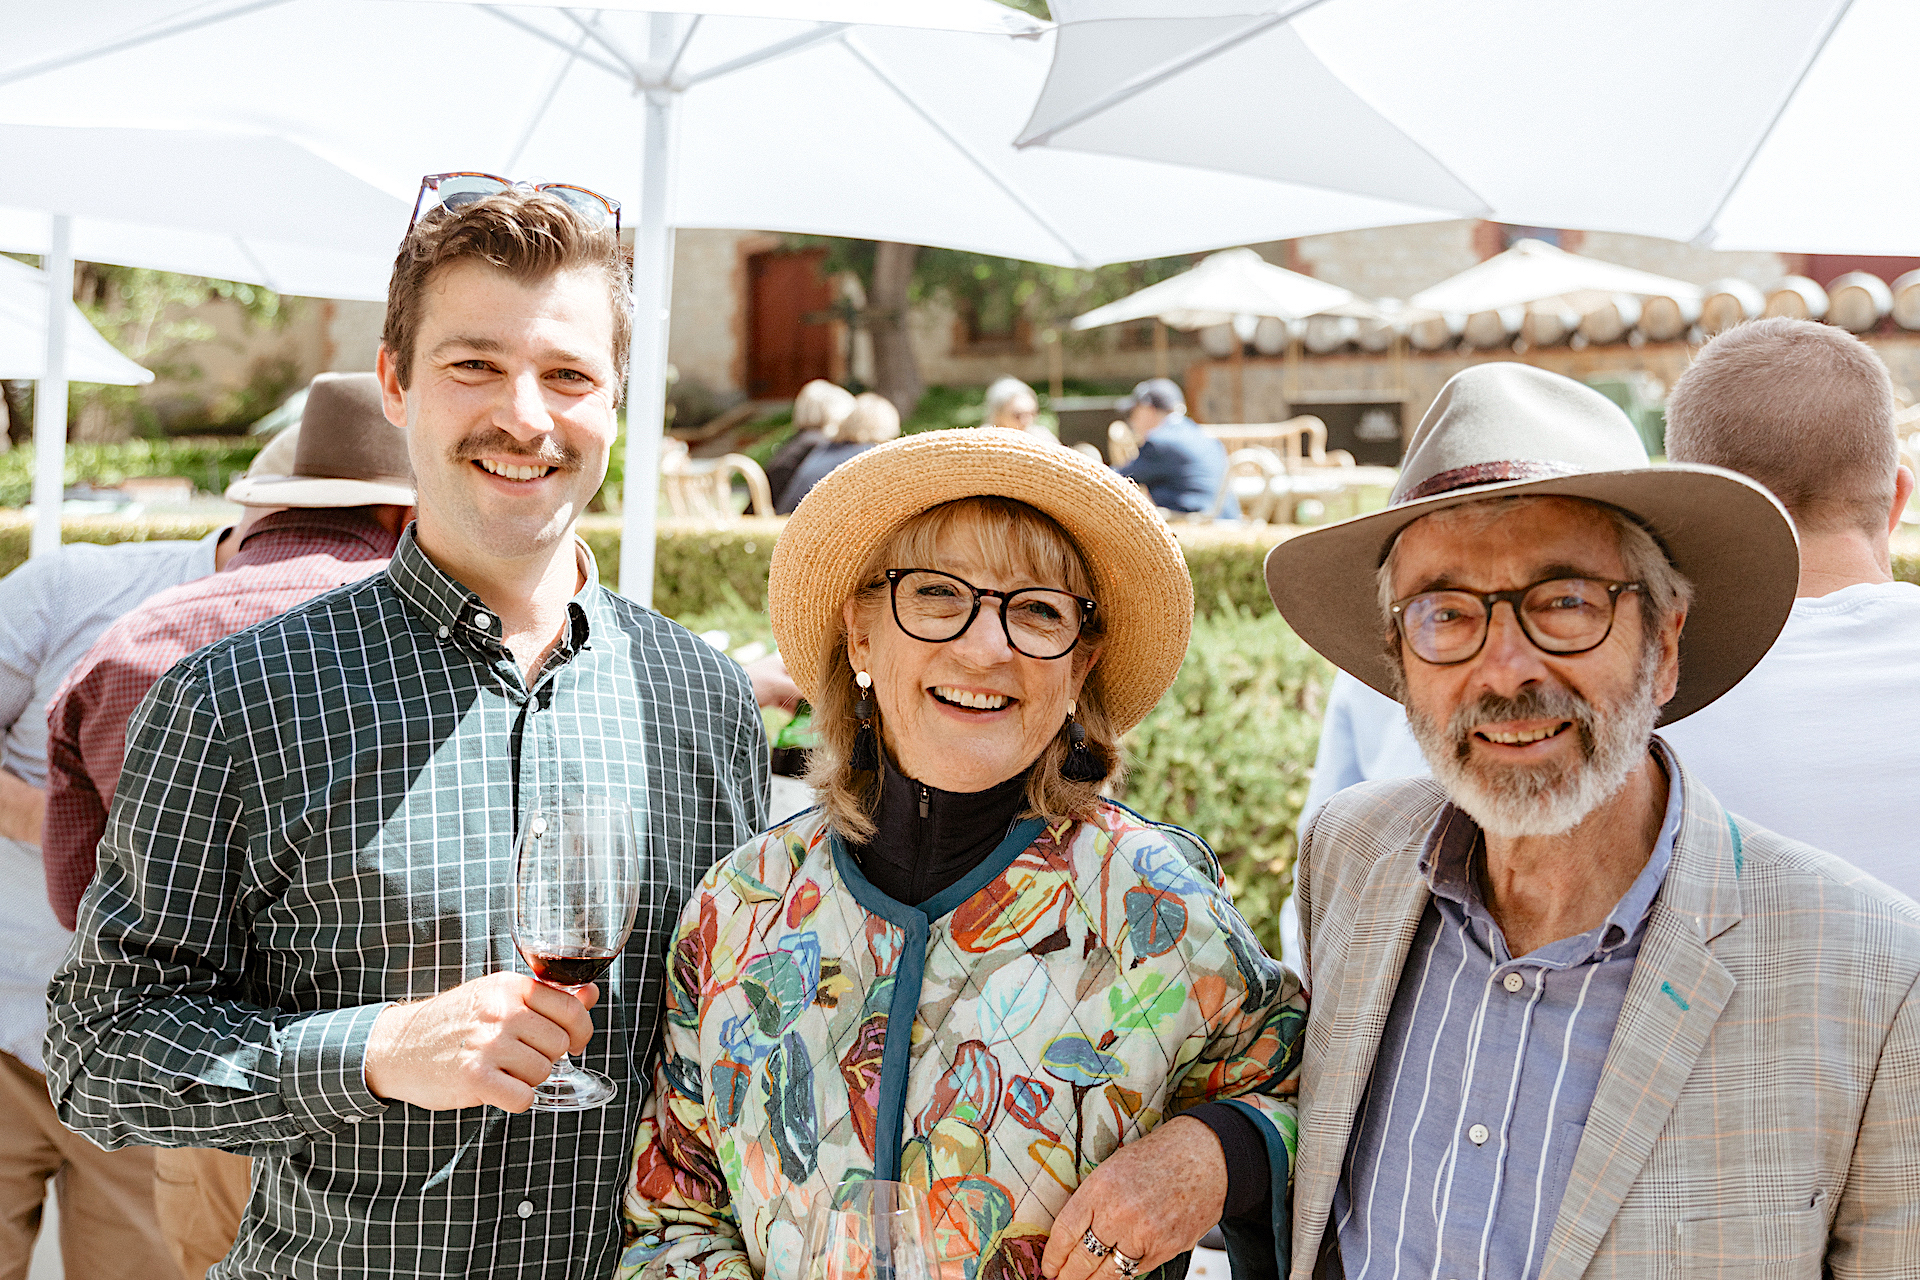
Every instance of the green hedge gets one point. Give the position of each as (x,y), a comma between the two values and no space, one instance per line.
(211,464)
(1227,753)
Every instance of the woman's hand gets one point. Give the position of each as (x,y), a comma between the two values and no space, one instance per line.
(1152,1200)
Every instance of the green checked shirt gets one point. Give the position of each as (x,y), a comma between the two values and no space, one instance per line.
(317,817)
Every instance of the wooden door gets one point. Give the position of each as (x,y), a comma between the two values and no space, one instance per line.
(790,329)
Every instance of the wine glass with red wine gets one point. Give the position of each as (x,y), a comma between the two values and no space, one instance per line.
(576,887)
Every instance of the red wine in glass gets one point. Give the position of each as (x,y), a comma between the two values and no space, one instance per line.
(569,971)
(576,888)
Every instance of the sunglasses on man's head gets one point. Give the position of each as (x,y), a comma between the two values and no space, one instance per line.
(452,191)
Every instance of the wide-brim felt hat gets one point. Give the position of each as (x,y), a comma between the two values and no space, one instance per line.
(1140,578)
(348,454)
(1509,430)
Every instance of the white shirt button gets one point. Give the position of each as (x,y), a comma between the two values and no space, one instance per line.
(539,825)
(526,1209)
(1512,982)
(483,620)
(1477,1135)
(443,633)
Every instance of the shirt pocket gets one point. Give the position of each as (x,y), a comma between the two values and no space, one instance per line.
(1780,1246)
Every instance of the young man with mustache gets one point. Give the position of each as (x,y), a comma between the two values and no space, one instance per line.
(298,942)
(1571,1017)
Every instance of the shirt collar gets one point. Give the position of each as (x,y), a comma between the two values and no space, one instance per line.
(452,610)
(1446,865)
(278,535)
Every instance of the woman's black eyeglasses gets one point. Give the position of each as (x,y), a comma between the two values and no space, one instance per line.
(937,607)
(1562,616)
(452,190)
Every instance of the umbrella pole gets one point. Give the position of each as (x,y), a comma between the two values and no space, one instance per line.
(647,365)
(1159,348)
(50,400)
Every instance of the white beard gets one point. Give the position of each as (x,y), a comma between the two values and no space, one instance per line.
(1547,800)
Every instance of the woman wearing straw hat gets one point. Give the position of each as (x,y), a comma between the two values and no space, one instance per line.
(965,970)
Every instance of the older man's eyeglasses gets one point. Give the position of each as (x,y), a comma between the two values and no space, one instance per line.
(451,191)
(1561,616)
(937,607)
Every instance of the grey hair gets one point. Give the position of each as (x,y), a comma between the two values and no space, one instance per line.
(1004,392)
(1665,591)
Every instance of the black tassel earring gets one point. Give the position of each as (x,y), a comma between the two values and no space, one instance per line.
(866,748)
(1081,765)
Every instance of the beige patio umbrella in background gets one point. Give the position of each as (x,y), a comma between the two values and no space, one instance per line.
(1235,287)
(1544,293)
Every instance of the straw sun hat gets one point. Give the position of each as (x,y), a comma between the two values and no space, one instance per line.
(1139,576)
(1509,430)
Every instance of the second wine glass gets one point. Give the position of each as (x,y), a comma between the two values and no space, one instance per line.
(576,889)
(869,1229)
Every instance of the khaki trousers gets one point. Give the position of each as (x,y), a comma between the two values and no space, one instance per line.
(108,1229)
(201,1195)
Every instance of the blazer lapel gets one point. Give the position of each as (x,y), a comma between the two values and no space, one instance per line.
(1394,896)
(1676,996)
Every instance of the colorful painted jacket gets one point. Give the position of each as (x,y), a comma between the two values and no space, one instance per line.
(991,1045)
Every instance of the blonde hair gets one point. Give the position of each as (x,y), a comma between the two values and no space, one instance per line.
(1804,408)
(1016,541)
(872,421)
(821,405)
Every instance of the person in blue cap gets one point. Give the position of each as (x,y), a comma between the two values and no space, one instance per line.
(1182,466)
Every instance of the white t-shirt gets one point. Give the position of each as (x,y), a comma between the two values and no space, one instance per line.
(1821,741)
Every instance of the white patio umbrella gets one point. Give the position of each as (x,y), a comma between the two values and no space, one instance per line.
(1234,287)
(1757,124)
(1535,271)
(1224,285)
(886,119)
(202,202)
(23,334)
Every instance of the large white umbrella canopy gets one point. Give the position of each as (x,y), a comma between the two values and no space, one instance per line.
(233,206)
(1534,271)
(1233,282)
(1760,124)
(23,334)
(885,119)
(230,205)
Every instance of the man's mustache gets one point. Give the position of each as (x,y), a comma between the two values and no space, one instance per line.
(493,442)
(1542,702)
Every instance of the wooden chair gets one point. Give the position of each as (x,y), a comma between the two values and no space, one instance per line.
(702,488)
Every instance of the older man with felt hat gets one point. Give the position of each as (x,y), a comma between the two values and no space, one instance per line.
(1570,1017)
(325,503)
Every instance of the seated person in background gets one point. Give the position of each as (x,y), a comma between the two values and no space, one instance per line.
(818,411)
(1181,465)
(1012,404)
(873,421)
(1817,742)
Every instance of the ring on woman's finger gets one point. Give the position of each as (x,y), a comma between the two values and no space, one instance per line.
(1093,1244)
(1122,1263)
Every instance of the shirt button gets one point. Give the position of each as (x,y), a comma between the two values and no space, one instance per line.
(539,825)
(443,633)
(526,1209)
(1476,1135)
(1512,982)
(483,620)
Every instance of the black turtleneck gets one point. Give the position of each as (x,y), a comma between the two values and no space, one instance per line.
(928,839)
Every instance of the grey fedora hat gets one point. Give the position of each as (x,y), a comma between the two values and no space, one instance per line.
(347,453)
(1504,430)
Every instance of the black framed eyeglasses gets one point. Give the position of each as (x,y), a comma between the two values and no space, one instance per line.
(936,607)
(1561,616)
(450,191)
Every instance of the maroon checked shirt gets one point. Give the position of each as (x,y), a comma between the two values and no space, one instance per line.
(287,558)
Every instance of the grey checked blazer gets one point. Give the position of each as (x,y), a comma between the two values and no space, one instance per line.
(1759,1111)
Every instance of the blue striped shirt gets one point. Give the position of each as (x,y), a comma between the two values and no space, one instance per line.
(1485,1074)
